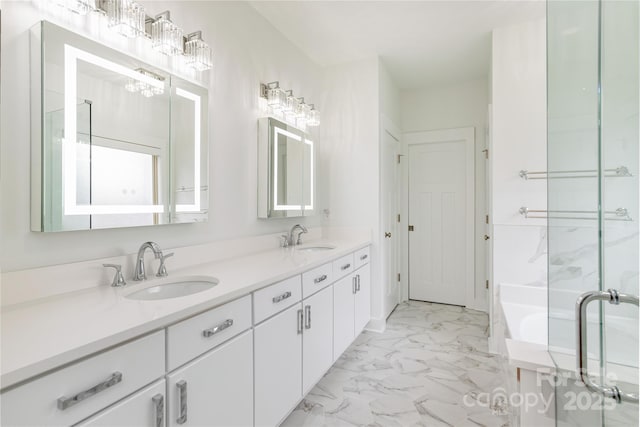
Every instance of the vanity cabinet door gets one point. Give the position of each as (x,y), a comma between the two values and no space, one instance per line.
(145,408)
(216,389)
(343,314)
(278,366)
(317,339)
(362,298)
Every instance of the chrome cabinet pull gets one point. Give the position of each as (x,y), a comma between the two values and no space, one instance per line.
(353,285)
(158,404)
(320,279)
(282,297)
(344,267)
(307,317)
(218,328)
(614,297)
(182,401)
(357,283)
(363,257)
(67,402)
(300,321)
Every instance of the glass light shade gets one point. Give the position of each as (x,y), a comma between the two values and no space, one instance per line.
(126,17)
(302,110)
(290,102)
(198,52)
(81,7)
(166,37)
(313,119)
(276,98)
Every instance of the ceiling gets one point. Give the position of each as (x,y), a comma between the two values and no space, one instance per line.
(422,43)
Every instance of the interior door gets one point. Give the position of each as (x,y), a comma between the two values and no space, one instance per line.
(390,209)
(437,231)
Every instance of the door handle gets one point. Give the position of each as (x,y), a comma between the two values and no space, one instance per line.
(486,237)
(614,297)
(387,234)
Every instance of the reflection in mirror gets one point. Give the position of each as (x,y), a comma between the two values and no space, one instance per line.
(286,170)
(108,128)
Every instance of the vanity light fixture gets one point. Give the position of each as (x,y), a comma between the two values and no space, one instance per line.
(126,17)
(313,118)
(285,106)
(129,18)
(166,37)
(198,52)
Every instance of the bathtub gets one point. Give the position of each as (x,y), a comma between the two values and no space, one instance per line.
(526,319)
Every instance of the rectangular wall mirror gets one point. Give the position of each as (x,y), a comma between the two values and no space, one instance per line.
(115,142)
(285,170)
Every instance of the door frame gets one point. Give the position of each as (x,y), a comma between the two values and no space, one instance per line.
(466,134)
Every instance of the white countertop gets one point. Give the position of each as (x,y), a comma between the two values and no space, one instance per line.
(44,334)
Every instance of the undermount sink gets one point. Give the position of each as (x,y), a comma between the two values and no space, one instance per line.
(174,289)
(315,248)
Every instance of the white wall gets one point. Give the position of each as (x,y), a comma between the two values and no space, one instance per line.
(349,156)
(519,135)
(390,104)
(456,105)
(247,50)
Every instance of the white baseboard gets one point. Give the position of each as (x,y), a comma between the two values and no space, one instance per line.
(376,325)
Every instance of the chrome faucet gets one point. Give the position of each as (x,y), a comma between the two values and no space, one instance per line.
(139,273)
(291,241)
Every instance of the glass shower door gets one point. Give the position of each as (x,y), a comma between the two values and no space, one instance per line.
(620,134)
(593,156)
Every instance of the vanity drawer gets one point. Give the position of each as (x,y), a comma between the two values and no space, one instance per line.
(316,279)
(192,337)
(342,266)
(96,382)
(275,298)
(362,257)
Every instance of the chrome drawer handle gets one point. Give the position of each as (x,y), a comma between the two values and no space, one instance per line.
(158,404)
(307,317)
(614,297)
(281,297)
(320,279)
(300,321)
(344,267)
(218,328)
(363,257)
(67,402)
(182,401)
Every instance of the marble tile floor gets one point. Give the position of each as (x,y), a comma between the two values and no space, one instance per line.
(431,367)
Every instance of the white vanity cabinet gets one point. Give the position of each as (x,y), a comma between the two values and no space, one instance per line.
(145,408)
(246,362)
(278,365)
(216,389)
(317,337)
(351,308)
(362,299)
